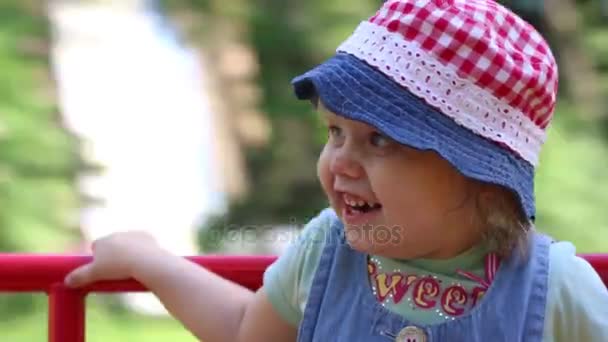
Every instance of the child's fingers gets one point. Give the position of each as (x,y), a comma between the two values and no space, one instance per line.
(81,276)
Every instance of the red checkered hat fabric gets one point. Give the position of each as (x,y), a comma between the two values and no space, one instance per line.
(475,60)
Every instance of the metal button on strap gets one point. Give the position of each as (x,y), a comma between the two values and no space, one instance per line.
(411,334)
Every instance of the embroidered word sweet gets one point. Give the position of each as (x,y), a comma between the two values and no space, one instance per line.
(427,292)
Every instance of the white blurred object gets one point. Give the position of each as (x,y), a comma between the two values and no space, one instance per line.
(136,98)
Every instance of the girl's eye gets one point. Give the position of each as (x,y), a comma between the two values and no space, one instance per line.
(379,140)
(334,131)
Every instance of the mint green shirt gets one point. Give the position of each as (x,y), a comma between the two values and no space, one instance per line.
(430,291)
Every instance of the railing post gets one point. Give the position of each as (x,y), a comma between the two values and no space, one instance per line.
(66,314)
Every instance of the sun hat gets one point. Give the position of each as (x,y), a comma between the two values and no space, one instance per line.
(468,79)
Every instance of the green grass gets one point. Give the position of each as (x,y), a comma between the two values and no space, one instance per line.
(102,325)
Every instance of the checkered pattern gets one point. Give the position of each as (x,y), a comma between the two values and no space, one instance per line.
(484,44)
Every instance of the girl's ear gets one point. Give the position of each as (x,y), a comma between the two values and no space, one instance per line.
(485,196)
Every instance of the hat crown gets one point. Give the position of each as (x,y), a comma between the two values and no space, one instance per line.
(443,3)
(474,60)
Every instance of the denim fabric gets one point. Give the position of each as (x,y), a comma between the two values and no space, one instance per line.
(353,89)
(342,307)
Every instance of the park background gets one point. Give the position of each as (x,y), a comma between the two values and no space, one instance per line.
(177,116)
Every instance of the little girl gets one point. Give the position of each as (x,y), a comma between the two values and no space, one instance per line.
(436,112)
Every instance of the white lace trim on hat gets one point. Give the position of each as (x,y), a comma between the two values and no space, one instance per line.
(462,100)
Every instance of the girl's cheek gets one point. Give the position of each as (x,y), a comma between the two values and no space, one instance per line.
(323,172)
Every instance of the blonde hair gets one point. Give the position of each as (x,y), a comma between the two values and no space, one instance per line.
(507,229)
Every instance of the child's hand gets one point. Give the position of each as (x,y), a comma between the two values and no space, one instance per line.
(114,257)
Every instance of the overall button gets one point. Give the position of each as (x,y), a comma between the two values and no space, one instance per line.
(411,334)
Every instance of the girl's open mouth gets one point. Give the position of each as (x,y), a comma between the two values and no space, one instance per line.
(357,210)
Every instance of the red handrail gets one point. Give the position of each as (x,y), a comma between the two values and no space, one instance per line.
(45,273)
(66,319)
(39,273)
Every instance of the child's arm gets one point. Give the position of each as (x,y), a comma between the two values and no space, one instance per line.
(211,307)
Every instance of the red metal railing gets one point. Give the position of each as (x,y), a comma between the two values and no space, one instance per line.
(45,273)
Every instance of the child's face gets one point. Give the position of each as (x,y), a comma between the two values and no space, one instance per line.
(415,204)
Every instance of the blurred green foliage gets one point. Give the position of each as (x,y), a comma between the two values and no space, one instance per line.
(38,158)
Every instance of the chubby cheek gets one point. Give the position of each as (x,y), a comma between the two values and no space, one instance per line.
(402,201)
(324,174)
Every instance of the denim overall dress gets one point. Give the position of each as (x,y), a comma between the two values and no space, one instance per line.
(342,307)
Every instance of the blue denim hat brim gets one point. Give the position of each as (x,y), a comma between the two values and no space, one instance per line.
(353,89)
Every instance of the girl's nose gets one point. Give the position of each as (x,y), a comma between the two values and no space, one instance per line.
(345,163)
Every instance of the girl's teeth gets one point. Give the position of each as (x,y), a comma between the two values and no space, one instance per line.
(358,203)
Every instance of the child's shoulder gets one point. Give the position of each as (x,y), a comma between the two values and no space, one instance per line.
(318,228)
(572,279)
(577,299)
(565,264)
(288,280)
(306,248)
